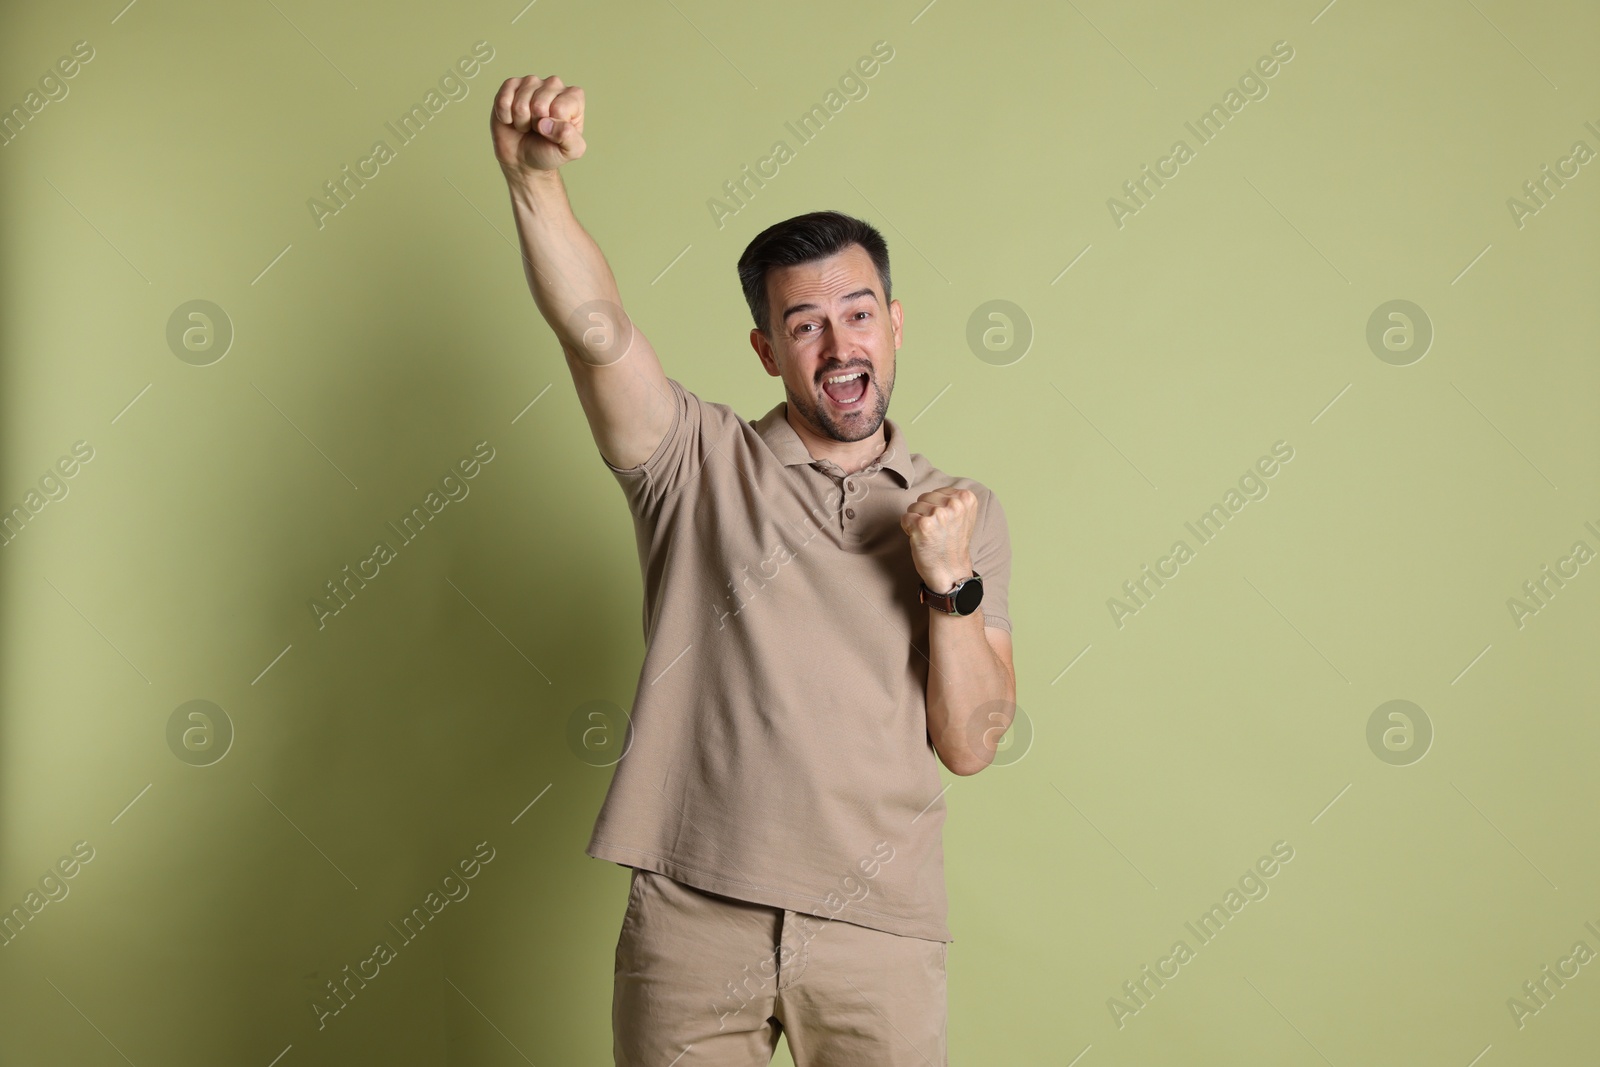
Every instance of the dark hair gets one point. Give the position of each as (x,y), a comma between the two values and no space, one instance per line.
(803,239)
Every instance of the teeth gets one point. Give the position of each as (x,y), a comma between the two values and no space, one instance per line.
(844,377)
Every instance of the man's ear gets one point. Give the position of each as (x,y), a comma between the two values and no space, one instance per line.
(758,341)
(896,315)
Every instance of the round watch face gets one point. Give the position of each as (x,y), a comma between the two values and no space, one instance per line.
(969,596)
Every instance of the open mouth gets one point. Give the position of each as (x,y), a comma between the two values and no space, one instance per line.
(847,389)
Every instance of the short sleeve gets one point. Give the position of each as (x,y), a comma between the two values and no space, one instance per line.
(991,558)
(697,428)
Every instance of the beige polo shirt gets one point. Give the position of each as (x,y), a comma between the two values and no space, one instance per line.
(780,750)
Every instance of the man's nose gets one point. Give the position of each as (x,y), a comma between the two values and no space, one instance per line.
(838,348)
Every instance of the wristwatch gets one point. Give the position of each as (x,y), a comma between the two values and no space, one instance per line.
(963,599)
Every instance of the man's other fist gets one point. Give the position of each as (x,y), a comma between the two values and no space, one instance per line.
(537,124)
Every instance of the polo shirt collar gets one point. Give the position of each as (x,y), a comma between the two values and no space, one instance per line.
(774,428)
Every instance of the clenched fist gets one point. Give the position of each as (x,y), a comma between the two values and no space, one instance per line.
(939,524)
(537,124)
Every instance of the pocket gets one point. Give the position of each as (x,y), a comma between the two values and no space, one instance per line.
(633,896)
(625,931)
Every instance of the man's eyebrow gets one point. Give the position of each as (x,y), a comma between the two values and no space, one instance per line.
(846,297)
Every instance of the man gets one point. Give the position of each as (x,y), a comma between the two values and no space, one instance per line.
(815,647)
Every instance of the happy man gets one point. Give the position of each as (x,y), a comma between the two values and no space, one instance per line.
(815,646)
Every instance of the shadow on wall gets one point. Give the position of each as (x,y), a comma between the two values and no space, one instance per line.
(390,745)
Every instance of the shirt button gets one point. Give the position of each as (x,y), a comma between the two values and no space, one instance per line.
(849,513)
(850,486)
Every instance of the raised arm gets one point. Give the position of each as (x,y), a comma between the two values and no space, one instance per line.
(537,124)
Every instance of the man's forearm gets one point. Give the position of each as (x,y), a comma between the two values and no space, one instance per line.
(971,699)
(564,267)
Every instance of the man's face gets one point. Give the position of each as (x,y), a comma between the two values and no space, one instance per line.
(828,319)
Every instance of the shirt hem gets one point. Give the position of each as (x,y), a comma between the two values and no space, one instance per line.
(770,896)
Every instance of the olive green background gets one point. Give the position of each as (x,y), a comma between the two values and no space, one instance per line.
(1167,754)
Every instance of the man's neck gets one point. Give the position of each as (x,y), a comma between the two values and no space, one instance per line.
(850,456)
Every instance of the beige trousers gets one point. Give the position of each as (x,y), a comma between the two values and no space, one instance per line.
(704,980)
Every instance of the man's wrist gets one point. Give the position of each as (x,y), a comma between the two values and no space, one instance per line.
(536,189)
(946,580)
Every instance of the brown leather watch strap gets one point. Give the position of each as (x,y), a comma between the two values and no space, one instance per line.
(945,602)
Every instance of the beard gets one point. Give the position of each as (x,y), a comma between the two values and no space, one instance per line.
(857,426)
